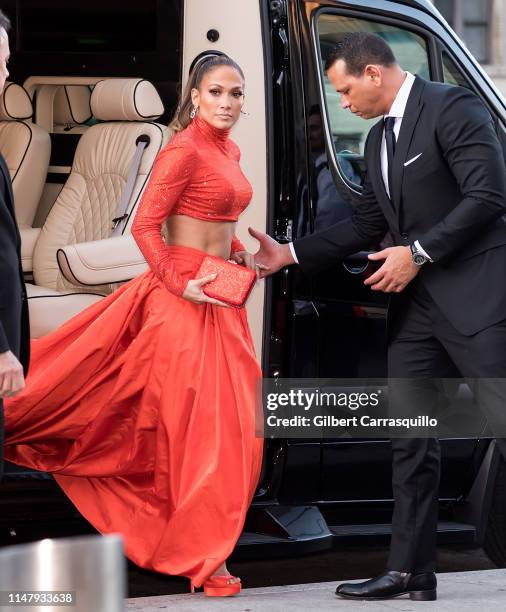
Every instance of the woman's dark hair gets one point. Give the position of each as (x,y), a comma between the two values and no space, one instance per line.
(182,118)
(4,21)
(359,49)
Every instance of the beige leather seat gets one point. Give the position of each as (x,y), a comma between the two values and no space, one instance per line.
(66,111)
(26,148)
(72,109)
(84,210)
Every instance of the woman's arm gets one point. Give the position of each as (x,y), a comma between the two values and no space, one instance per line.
(171,173)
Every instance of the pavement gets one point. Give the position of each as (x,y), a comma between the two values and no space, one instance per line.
(457,591)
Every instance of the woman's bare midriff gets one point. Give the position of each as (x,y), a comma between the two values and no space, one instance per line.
(213,237)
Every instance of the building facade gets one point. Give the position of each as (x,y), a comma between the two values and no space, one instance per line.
(481,24)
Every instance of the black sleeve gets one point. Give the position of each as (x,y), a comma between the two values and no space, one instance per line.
(366,226)
(470,146)
(4,343)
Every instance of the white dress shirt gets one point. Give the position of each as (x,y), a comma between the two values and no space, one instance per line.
(396,110)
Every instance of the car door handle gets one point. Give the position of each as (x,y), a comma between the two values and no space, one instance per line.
(358,262)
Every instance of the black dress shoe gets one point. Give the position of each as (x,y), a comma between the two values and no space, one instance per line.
(420,587)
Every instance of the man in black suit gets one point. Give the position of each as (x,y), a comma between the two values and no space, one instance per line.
(14,328)
(436,181)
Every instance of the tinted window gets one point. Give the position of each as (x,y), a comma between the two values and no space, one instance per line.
(452,74)
(95,25)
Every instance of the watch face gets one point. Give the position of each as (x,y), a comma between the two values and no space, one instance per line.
(418,259)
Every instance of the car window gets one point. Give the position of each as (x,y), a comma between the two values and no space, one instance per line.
(347,131)
(451,73)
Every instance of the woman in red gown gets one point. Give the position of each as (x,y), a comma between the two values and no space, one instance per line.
(143,405)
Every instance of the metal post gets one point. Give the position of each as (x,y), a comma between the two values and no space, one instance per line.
(82,574)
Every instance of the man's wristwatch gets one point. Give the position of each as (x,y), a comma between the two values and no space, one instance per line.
(418,257)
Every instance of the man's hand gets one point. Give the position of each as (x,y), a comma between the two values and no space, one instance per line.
(12,380)
(271,256)
(397,271)
(244,258)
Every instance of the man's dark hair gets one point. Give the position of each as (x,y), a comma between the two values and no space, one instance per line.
(358,50)
(5,22)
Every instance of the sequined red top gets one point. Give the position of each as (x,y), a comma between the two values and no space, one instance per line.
(196,174)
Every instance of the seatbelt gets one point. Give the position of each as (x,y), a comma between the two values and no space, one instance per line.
(119,220)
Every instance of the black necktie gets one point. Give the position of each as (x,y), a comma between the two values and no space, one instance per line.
(390,142)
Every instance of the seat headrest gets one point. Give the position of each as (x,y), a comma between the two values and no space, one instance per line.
(15,103)
(72,105)
(126,100)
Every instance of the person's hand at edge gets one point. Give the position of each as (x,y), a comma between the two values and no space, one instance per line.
(12,380)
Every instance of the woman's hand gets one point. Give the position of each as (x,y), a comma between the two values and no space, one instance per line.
(244,259)
(194,293)
(248,260)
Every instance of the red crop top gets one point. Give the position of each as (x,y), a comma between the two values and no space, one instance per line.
(196,174)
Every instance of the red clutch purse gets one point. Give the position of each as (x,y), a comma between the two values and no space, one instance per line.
(233,283)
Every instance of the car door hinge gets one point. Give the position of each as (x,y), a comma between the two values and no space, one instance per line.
(283,231)
(278,12)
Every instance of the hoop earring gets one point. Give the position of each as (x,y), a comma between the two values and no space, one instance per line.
(244,112)
(193,112)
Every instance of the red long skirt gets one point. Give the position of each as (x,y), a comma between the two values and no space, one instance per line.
(143,408)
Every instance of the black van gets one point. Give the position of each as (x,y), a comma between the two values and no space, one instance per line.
(304,155)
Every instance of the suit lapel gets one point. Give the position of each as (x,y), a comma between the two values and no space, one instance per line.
(9,196)
(411,115)
(374,170)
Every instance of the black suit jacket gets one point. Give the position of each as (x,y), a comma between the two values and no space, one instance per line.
(14,324)
(452,198)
